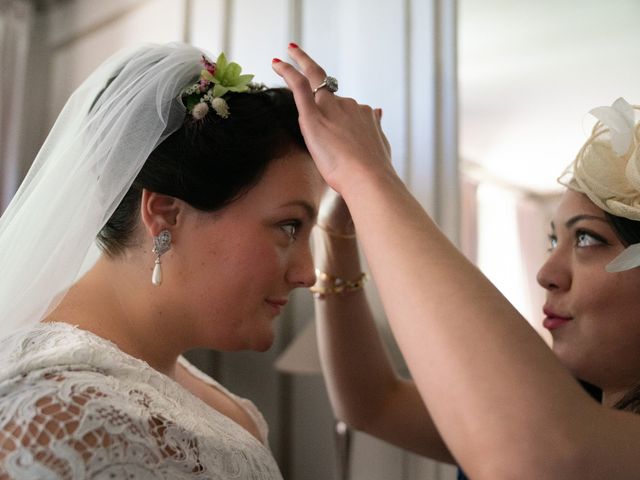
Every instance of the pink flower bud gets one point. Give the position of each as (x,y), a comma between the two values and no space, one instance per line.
(209,66)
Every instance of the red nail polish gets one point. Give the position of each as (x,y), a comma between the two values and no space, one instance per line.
(276,60)
(293,45)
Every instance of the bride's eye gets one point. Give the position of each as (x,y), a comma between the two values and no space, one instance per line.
(291,228)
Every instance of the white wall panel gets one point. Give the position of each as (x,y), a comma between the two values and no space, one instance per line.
(362,43)
(259,32)
(207,24)
(421,104)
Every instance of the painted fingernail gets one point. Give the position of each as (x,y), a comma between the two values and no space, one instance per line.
(293,45)
(276,60)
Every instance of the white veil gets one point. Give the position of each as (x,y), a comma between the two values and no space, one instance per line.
(93,153)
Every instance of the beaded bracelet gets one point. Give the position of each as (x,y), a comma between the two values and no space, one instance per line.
(328,284)
(335,233)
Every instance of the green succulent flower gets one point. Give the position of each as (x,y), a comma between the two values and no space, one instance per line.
(227,78)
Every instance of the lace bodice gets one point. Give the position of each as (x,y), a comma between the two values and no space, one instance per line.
(72,406)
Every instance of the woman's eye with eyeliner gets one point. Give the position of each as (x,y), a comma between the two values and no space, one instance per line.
(586,239)
(553,242)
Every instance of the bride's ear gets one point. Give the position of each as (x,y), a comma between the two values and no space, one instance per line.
(159,212)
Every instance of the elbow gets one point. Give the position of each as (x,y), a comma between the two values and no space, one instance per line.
(365,410)
(356,418)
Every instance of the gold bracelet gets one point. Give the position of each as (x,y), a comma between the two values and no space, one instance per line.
(335,233)
(328,284)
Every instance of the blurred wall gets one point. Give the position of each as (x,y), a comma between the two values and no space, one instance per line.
(529,72)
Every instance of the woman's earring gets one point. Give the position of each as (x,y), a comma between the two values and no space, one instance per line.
(161,245)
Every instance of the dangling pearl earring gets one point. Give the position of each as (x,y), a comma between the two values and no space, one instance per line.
(161,245)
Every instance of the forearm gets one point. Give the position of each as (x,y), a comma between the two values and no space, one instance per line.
(350,347)
(362,383)
(473,357)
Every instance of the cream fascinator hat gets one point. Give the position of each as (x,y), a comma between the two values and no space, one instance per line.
(607,170)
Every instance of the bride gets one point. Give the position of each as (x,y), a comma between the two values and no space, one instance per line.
(200,193)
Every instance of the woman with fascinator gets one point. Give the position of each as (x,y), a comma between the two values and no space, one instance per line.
(198,189)
(487,393)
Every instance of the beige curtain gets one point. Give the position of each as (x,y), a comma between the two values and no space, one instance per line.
(532,212)
(15,26)
(469,217)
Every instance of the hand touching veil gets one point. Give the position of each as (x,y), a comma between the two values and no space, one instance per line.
(341,134)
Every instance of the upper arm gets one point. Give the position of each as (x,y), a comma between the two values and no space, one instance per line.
(50,424)
(606,445)
(75,424)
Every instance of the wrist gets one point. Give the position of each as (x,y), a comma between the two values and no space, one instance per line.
(328,284)
(338,256)
(360,178)
(342,232)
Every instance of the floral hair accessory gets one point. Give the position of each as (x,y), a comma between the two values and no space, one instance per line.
(216,79)
(607,170)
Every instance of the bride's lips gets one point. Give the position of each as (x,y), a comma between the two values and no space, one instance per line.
(276,304)
(553,320)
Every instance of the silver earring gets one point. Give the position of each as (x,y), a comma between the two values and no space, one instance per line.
(161,245)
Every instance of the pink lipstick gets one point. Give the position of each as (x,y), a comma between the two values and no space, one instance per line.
(553,320)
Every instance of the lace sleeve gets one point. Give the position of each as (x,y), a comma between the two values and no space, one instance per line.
(67,425)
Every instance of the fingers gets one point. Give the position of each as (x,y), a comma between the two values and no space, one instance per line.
(314,72)
(302,84)
(342,114)
(298,84)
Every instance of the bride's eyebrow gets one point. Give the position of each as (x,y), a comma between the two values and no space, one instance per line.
(308,208)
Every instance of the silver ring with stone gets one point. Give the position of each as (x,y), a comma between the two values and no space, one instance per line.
(330,83)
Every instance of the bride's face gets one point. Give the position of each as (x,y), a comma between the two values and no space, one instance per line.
(232,271)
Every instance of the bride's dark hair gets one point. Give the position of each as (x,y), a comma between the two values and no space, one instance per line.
(211,162)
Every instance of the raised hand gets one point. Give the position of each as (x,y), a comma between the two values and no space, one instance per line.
(344,137)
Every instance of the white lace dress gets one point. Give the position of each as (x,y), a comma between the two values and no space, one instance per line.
(74,406)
